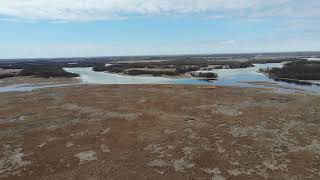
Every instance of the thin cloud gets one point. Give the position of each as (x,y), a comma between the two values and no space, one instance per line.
(94,10)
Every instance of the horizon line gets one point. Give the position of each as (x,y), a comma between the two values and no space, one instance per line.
(156,55)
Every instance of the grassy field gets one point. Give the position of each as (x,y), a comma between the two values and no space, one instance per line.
(158,132)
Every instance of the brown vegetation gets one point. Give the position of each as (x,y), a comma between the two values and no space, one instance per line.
(158,132)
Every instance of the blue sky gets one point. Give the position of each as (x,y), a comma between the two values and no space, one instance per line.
(69,28)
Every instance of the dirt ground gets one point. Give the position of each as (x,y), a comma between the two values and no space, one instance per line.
(158,132)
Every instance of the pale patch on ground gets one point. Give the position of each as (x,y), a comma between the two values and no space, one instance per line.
(154,148)
(235,163)
(81,133)
(48,141)
(220,109)
(126,116)
(105,131)
(234,172)
(202,107)
(87,132)
(220,149)
(53,139)
(12,160)
(226,110)
(104,148)
(158,163)
(215,172)
(69,144)
(95,112)
(212,171)
(20,118)
(179,165)
(273,165)
(42,144)
(217,177)
(75,107)
(188,150)
(182,164)
(52,127)
(192,135)
(86,156)
(143,100)
(314,146)
(260,169)
(241,132)
(168,131)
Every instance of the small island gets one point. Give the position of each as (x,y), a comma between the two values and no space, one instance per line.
(197,68)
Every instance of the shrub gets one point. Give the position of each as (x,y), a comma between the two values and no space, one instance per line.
(2,76)
(204,75)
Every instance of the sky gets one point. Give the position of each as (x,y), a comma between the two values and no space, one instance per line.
(87,28)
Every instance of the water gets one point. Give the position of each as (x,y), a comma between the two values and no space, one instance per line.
(246,77)
(313,59)
(226,76)
(87,75)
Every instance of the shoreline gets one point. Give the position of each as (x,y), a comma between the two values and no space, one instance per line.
(181,76)
(44,83)
(311,82)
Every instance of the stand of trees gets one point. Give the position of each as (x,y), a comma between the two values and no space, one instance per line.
(8,75)
(44,69)
(135,72)
(210,75)
(180,67)
(302,70)
(46,72)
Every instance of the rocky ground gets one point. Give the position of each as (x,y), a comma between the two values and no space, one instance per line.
(158,132)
